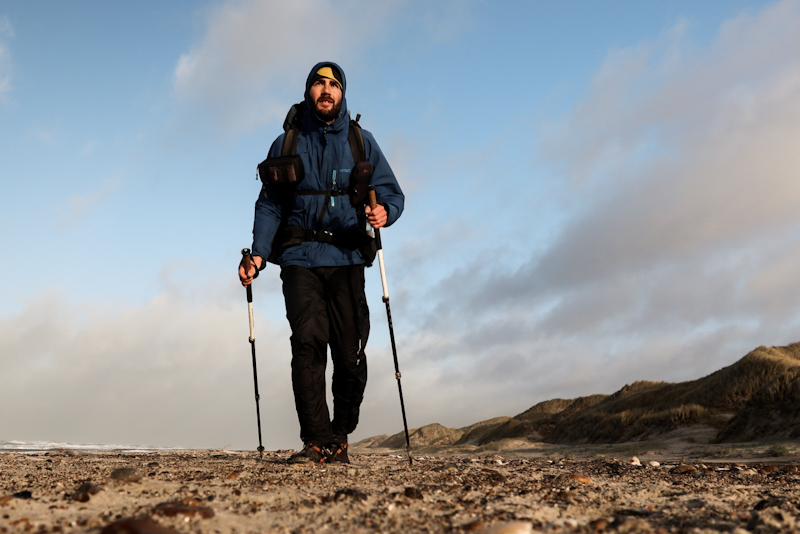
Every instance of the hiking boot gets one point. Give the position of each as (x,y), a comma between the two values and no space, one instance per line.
(310,453)
(338,454)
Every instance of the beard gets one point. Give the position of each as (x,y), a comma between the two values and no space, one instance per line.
(330,115)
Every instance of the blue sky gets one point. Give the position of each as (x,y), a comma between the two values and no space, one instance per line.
(597,193)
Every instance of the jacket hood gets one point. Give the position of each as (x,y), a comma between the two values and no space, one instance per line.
(310,78)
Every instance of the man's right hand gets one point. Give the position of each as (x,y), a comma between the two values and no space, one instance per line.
(247,273)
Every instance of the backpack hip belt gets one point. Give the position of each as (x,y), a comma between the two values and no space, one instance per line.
(294,235)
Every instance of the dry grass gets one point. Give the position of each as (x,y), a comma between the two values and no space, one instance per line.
(646,408)
(772,411)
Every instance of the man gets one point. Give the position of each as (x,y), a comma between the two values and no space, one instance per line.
(321,269)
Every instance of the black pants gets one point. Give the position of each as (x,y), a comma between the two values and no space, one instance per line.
(327,306)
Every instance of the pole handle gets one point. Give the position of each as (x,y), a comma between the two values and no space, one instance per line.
(373,203)
(247,259)
(248,263)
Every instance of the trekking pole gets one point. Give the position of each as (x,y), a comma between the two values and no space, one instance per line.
(372,204)
(247,261)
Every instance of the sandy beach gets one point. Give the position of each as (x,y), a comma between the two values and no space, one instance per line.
(238,492)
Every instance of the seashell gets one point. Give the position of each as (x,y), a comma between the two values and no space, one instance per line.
(579,478)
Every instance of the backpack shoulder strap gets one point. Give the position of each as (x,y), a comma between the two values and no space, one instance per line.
(291,127)
(290,141)
(356,140)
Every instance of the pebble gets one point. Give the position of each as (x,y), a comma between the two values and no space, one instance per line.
(635,461)
(125,474)
(653,463)
(684,469)
(566,496)
(512,527)
(354,494)
(172,509)
(413,493)
(494,477)
(137,526)
(85,492)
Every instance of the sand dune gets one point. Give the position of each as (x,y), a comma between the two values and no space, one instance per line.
(755,399)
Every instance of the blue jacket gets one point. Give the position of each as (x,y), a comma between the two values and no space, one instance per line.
(326,156)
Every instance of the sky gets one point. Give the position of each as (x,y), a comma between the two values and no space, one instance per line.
(596,193)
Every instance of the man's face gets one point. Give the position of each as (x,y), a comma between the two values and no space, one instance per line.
(326,95)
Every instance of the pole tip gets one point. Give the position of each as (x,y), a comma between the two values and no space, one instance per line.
(245,252)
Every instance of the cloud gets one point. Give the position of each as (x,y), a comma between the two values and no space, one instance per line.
(255,55)
(78,205)
(6,32)
(678,181)
(682,160)
(174,372)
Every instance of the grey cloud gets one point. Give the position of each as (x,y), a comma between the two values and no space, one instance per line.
(679,252)
(252,61)
(6,32)
(169,373)
(715,173)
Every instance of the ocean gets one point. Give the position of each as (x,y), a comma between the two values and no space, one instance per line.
(44,446)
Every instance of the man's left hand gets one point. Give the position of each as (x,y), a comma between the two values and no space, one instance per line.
(376,217)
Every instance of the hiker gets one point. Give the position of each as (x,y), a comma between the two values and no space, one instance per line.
(312,222)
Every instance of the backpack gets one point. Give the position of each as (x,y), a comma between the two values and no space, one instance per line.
(286,171)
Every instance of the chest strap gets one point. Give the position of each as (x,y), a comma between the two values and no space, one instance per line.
(331,192)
